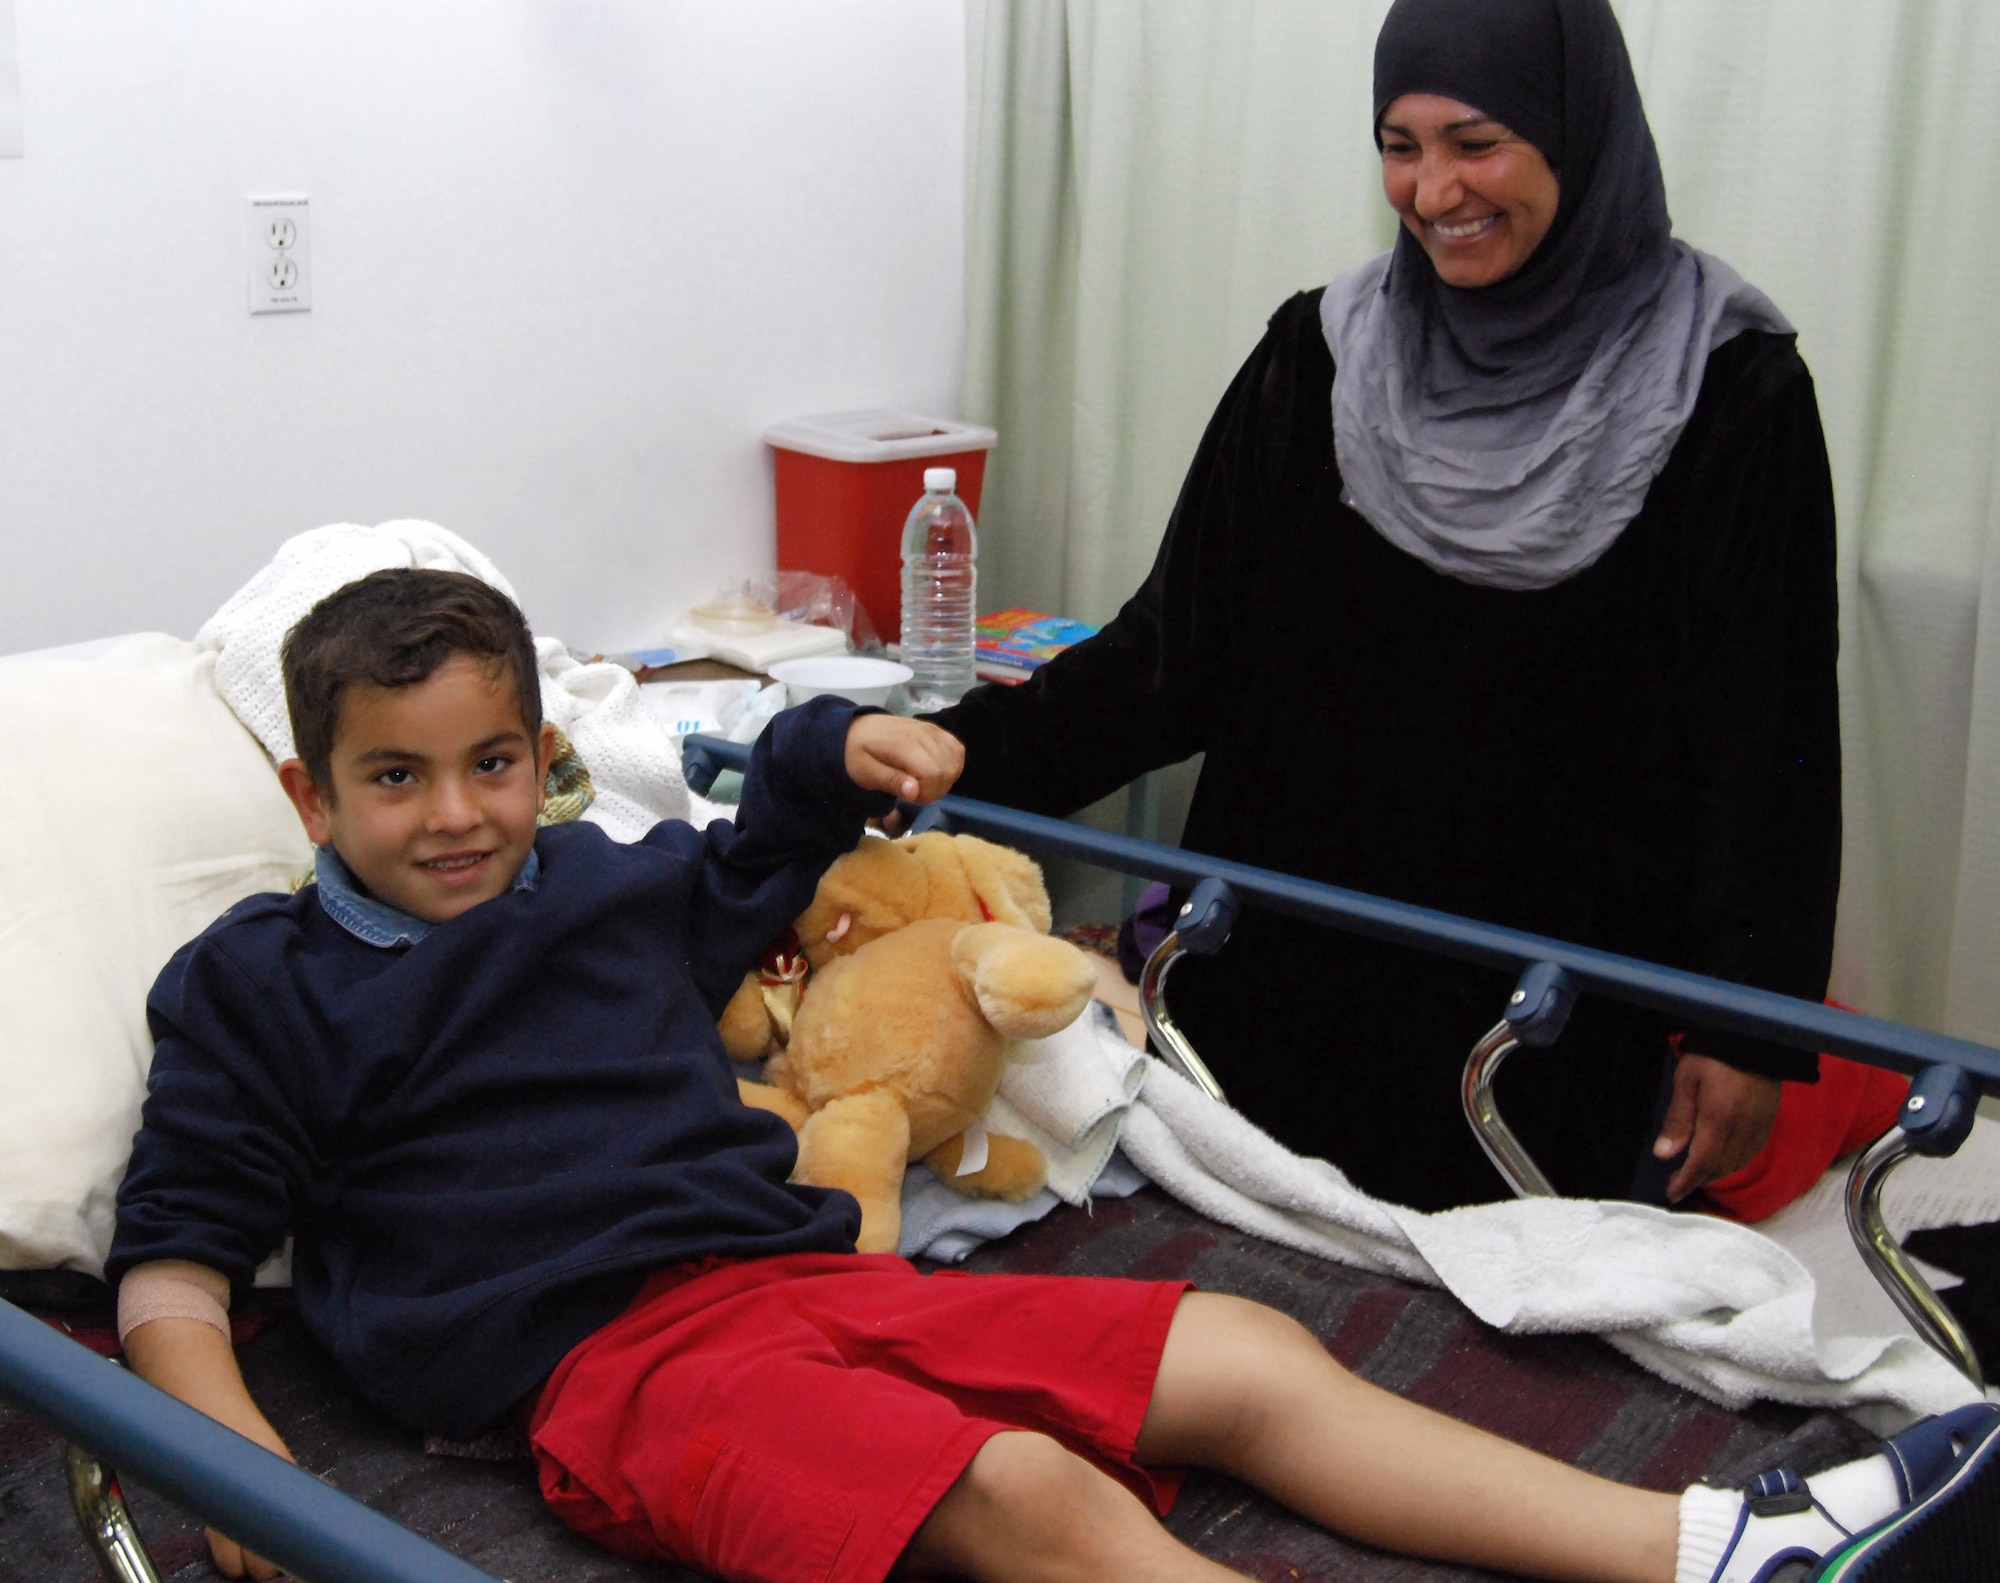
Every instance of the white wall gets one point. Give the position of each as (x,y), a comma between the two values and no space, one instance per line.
(570,257)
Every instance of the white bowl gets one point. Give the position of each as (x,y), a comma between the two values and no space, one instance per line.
(855,676)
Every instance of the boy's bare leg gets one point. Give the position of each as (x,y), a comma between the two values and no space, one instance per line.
(1027,1510)
(1247,1391)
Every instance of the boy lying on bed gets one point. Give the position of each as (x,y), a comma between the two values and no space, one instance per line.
(475,1070)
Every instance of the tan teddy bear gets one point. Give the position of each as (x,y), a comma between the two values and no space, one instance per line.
(929,961)
(878,887)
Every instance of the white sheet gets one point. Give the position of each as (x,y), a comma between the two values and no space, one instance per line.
(1729,1312)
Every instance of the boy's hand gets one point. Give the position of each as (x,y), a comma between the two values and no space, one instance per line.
(232,1560)
(194,1361)
(910,759)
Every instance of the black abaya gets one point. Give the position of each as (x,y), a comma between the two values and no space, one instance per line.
(1644,758)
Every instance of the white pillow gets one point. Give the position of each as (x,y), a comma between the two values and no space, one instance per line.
(140,810)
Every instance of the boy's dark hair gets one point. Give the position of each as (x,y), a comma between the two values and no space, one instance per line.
(393,629)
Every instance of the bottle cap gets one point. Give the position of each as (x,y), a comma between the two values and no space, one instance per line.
(941,478)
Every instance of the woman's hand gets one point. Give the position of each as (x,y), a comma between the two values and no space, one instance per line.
(910,759)
(1720,1115)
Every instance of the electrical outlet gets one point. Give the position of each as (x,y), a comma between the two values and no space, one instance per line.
(280,255)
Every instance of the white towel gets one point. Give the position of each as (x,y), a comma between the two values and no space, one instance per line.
(634,762)
(1708,1304)
(1068,1095)
(1961,1190)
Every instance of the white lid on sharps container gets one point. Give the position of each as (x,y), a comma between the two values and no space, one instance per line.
(941,478)
(878,435)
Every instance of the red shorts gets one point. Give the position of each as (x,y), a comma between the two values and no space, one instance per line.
(798,1418)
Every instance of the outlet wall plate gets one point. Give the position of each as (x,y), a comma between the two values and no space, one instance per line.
(280,254)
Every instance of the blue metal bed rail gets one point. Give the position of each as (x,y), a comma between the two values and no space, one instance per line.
(1805,1025)
(260,1500)
(1935,1119)
(316,1533)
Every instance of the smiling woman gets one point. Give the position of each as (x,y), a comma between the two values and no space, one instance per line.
(1477,198)
(1502,583)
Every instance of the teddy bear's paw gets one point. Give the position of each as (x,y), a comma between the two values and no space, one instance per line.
(746,1021)
(860,1143)
(881,1225)
(780,1102)
(1014,1168)
(1028,986)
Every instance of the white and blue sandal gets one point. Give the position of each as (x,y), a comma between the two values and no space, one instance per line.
(1950,1530)
(1781,1532)
(1777,1530)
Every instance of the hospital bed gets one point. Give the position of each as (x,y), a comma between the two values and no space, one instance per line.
(110,1420)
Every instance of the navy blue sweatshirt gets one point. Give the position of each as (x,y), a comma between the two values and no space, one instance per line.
(486,1140)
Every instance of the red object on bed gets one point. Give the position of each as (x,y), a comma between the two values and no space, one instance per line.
(1850,1106)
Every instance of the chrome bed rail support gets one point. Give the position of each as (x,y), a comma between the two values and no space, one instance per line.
(1200,930)
(278,1510)
(1934,1121)
(1475,1094)
(108,1529)
(1536,1014)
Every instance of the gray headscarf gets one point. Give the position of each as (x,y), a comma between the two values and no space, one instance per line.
(1506,435)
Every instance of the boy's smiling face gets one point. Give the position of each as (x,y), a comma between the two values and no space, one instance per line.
(435,788)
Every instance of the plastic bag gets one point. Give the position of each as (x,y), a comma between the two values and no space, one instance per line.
(806,597)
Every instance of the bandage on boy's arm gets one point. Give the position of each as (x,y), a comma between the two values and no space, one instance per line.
(175,1326)
(172,1289)
(189,1356)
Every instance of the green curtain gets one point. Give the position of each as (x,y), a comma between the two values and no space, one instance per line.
(1150,178)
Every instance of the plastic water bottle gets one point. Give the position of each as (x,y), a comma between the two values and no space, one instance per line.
(939,577)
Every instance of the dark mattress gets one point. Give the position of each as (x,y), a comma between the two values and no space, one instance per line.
(1570,1396)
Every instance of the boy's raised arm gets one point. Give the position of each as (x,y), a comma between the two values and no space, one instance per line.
(817,775)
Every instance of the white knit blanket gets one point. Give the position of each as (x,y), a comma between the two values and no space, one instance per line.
(634,763)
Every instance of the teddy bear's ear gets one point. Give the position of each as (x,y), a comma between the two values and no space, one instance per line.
(1008,882)
(879,887)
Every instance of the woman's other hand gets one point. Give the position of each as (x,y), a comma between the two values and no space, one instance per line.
(1721,1116)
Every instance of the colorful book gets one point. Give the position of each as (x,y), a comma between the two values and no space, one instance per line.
(1021,641)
